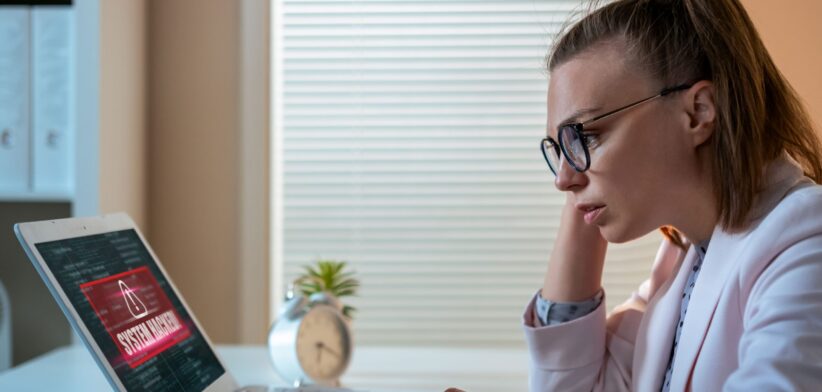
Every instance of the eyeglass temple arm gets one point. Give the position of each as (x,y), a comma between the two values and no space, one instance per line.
(662,93)
(669,90)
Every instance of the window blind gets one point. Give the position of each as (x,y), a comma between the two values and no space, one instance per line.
(410,142)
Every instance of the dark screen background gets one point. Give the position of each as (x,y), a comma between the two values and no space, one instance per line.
(189,365)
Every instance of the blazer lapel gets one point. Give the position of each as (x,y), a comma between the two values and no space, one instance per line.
(653,347)
(716,268)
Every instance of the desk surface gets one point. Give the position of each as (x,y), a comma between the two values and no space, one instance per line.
(375,369)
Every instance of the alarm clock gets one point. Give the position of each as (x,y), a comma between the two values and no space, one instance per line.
(310,342)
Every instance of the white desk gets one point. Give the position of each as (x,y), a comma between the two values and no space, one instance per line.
(375,369)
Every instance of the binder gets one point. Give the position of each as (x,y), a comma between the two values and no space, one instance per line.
(14,99)
(51,43)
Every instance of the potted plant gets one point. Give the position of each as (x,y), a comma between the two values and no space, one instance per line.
(329,276)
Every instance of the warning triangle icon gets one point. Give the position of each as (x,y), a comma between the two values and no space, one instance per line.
(135,306)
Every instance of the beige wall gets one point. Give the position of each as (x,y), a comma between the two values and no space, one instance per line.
(122,108)
(193,154)
(793,34)
(207,159)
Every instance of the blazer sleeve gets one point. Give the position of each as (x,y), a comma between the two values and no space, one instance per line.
(594,352)
(781,344)
(591,353)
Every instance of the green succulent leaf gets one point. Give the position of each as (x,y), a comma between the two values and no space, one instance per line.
(348,312)
(329,276)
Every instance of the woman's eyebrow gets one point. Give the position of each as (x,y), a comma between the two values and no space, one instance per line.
(575,116)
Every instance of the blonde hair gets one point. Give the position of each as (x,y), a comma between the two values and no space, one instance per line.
(759,115)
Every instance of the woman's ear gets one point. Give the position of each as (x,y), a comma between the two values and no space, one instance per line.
(701,109)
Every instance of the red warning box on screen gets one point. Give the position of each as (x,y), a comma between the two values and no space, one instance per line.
(136,313)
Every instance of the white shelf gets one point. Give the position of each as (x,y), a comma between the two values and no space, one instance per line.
(25,196)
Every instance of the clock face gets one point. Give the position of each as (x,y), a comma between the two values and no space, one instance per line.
(323,344)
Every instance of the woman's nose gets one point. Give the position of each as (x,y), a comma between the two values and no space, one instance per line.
(568,178)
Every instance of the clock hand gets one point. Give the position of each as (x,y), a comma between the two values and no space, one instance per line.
(336,354)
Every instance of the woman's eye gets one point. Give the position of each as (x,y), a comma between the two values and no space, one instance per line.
(591,139)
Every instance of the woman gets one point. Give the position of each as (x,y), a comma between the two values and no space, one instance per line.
(672,115)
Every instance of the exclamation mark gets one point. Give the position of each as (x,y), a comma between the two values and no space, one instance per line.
(135,306)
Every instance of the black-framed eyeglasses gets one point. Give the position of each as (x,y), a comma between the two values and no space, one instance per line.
(573,143)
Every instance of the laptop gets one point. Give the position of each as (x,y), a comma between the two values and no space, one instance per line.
(120,301)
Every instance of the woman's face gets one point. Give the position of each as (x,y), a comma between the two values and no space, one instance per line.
(641,159)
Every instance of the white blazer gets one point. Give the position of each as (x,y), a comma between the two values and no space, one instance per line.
(754,320)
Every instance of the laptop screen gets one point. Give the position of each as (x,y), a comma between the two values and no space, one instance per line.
(131,311)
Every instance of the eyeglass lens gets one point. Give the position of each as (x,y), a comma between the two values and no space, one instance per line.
(551,153)
(572,144)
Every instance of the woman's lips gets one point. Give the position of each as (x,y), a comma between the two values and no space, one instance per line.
(591,213)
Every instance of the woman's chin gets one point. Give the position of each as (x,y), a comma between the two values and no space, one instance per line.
(618,235)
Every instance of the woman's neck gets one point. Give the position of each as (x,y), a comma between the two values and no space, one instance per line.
(697,212)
